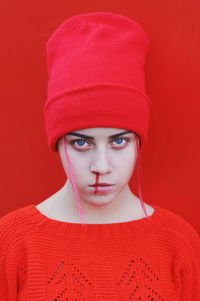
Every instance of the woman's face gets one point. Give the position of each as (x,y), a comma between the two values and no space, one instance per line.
(93,151)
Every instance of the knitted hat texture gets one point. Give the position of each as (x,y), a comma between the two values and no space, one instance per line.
(96,76)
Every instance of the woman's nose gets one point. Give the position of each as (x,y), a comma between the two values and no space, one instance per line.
(101,164)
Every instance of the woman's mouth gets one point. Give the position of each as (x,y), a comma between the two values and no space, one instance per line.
(101,184)
(101,187)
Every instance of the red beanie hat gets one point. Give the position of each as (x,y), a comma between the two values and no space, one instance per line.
(96,79)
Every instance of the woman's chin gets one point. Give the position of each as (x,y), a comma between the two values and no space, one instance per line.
(100,203)
(98,200)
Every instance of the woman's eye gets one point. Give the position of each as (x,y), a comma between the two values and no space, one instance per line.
(80,142)
(120,140)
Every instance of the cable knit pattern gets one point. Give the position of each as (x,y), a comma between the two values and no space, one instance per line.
(151,259)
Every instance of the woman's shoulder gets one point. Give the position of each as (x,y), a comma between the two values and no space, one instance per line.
(13,223)
(173,223)
(14,216)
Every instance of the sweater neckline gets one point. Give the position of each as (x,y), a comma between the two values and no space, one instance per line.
(63,228)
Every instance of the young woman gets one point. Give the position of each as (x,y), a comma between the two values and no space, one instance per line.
(94,239)
(102,167)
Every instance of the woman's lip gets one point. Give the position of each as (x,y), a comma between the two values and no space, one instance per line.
(101,188)
(106,185)
(102,184)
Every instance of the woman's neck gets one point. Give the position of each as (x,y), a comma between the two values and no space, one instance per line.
(125,207)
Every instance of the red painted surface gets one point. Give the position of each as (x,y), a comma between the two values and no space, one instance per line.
(170,161)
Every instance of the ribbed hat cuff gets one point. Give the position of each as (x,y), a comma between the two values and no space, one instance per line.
(97,106)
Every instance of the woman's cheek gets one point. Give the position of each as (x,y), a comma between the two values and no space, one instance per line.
(128,165)
(79,167)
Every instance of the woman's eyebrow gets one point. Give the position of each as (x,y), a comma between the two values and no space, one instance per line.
(90,137)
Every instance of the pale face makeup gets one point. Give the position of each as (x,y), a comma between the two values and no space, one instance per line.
(93,151)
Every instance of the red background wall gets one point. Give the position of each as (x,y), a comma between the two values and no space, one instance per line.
(170,162)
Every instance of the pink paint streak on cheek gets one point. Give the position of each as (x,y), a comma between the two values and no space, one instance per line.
(97,181)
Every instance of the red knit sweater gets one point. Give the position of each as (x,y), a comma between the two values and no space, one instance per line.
(148,259)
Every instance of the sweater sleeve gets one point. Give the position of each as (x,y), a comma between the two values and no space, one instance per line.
(189,272)
(8,262)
